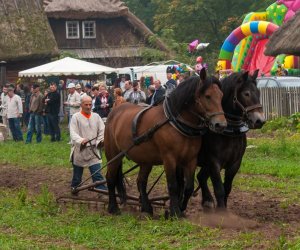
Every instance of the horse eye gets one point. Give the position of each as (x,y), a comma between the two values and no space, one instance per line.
(207,97)
(247,94)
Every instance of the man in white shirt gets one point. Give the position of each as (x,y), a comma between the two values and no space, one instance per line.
(73,101)
(4,108)
(87,134)
(14,113)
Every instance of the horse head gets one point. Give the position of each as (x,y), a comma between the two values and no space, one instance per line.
(208,102)
(246,100)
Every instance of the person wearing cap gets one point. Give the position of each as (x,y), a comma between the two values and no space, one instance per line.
(14,113)
(73,101)
(36,114)
(79,90)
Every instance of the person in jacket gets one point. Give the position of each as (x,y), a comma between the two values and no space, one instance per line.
(159,93)
(106,101)
(136,96)
(52,103)
(36,112)
(119,99)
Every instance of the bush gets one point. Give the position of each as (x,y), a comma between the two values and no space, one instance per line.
(291,123)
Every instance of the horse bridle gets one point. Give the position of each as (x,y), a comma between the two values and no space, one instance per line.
(207,116)
(244,109)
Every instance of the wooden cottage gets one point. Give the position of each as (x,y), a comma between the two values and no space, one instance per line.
(26,38)
(102,31)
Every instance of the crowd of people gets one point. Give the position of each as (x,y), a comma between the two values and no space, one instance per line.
(86,109)
(26,108)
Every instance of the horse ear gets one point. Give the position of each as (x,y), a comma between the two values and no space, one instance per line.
(203,74)
(255,74)
(245,76)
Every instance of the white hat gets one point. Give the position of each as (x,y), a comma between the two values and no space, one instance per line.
(78,86)
(71,85)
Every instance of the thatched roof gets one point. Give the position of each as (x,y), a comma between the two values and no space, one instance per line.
(25,31)
(286,40)
(83,9)
(88,9)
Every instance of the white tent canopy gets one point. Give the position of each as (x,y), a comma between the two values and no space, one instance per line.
(66,67)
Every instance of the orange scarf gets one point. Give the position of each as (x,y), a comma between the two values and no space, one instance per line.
(88,116)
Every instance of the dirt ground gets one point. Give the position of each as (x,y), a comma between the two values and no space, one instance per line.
(247,211)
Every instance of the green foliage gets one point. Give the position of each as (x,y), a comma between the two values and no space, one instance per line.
(63,54)
(178,22)
(291,123)
(151,55)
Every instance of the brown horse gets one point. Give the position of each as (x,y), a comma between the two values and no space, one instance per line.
(195,101)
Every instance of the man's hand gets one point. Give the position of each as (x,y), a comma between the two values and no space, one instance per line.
(84,141)
(100,145)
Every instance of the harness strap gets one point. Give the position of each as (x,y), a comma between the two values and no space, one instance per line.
(182,126)
(136,120)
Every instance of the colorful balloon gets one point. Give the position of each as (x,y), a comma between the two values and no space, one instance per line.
(202,46)
(193,45)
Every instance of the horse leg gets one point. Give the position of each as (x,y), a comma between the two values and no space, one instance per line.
(216,179)
(120,184)
(180,181)
(189,176)
(228,179)
(170,170)
(112,178)
(142,181)
(207,199)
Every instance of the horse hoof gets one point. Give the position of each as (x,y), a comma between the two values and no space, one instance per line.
(208,204)
(167,214)
(114,210)
(176,214)
(149,211)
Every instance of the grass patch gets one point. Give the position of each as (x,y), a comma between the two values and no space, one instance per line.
(78,227)
(278,156)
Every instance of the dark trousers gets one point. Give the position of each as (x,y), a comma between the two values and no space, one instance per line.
(15,128)
(54,130)
(78,171)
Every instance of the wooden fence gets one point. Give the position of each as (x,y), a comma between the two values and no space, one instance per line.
(278,102)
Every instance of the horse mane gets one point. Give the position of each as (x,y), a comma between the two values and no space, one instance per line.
(184,95)
(230,82)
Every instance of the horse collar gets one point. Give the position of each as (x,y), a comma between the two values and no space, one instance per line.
(180,125)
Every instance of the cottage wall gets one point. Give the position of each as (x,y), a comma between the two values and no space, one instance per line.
(115,32)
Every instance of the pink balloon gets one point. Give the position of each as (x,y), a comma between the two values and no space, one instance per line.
(193,45)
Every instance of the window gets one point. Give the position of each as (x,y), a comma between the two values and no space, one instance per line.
(72,29)
(89,29)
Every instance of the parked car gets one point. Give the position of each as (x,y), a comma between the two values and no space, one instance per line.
(278,81)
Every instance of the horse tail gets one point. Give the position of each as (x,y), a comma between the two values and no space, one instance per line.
(121,184)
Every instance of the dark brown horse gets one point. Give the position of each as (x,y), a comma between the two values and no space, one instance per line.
(195,101)
(241,104)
